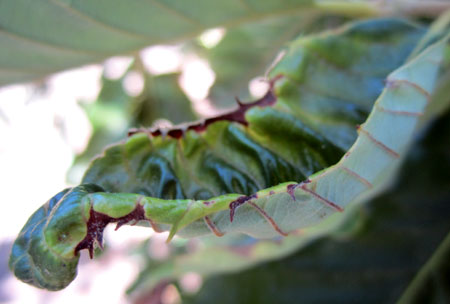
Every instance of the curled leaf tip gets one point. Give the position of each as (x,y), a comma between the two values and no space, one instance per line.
(43,254)
(46,253)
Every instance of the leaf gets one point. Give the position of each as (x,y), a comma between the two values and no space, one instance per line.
(153,167)
(438,30)
(398,232)
(31,258)
(236,256)
(45,36)
(233,253)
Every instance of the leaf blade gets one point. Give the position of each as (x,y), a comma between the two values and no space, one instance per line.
(62,34)
(276,210)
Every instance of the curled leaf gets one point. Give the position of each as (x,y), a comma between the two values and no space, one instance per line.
(43,253)
(272,172)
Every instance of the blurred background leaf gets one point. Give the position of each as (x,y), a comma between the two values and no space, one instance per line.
(45,36)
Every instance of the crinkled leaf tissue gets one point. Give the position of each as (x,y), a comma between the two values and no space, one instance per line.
(341,112)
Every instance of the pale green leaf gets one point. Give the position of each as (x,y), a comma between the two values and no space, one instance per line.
(395,242)
(39,37)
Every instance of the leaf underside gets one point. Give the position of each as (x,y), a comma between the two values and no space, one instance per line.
(44,36)
(374,263)
(324,86)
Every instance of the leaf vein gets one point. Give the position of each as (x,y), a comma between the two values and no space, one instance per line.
(44,44)
(177,14)
(379,143)
(357,176)
(213,227)
(102,24)
(321,198)
(269,219)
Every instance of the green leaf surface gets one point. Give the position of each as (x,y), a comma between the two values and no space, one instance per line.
(375,263)
(301,120)
(189,183)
